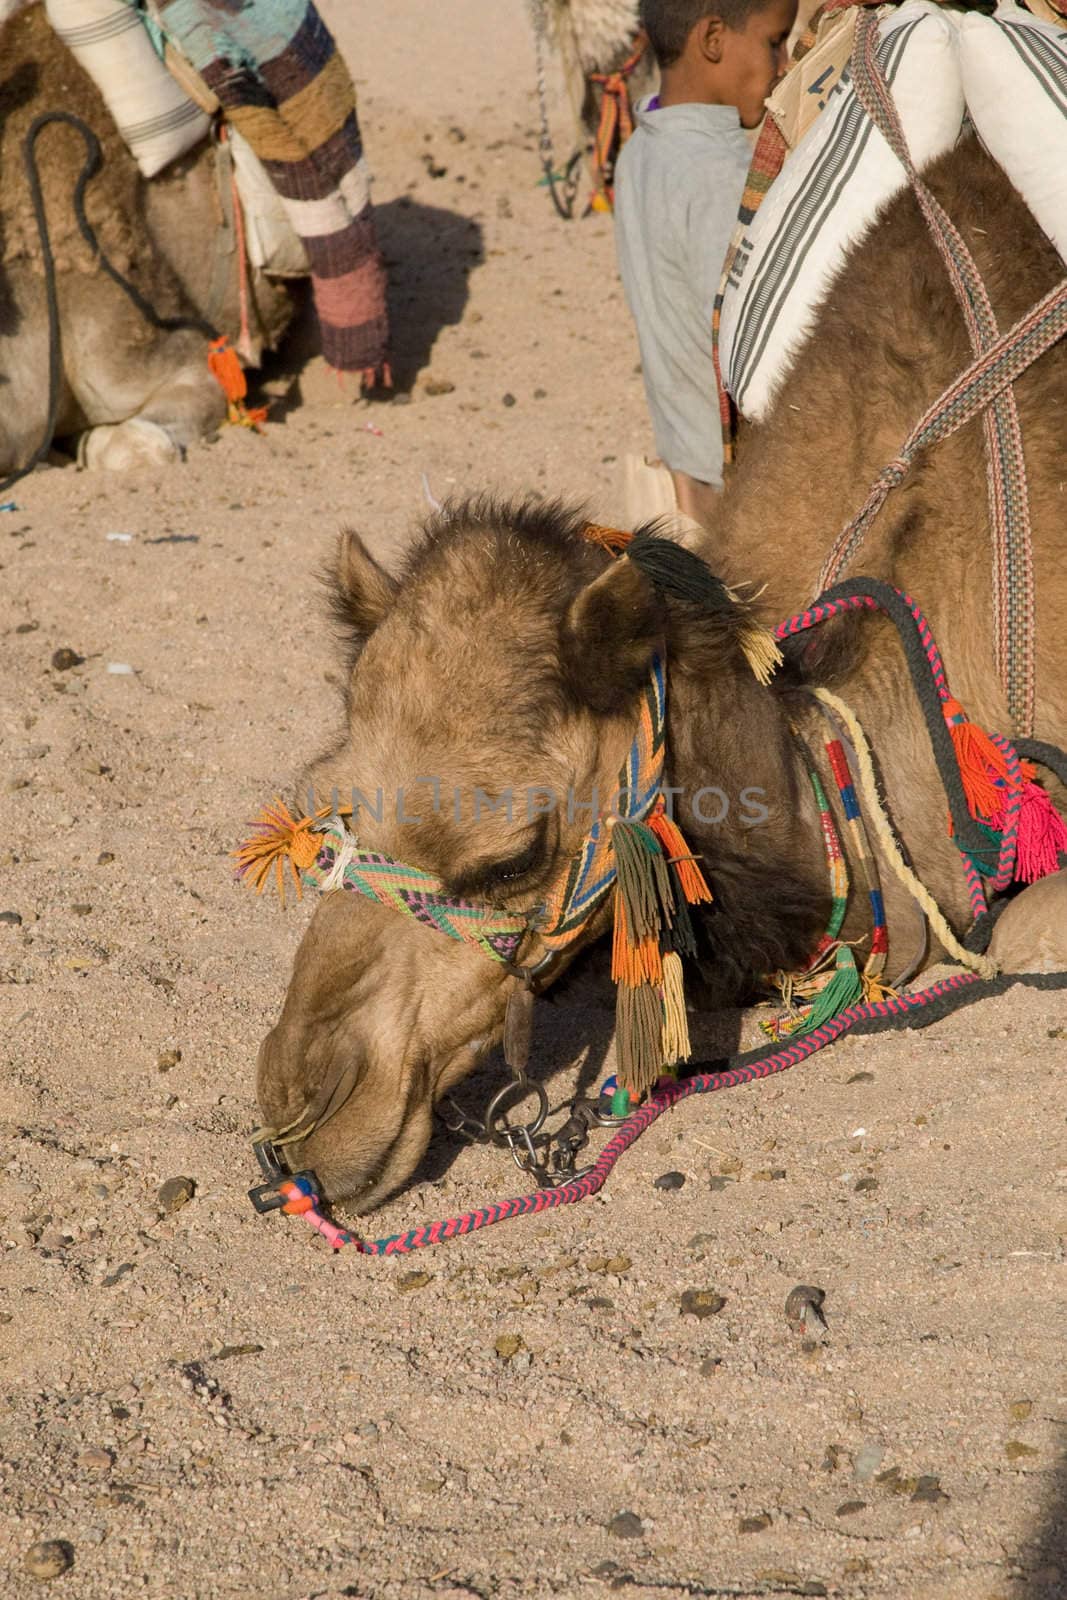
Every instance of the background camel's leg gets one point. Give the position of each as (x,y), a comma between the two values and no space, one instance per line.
(24,369)
(142,395)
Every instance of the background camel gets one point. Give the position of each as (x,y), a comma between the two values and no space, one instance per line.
(128,392)
(511,655)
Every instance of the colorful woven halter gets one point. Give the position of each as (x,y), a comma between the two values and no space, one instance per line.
(636,850)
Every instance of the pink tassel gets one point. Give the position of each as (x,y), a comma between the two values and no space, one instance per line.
(1042,836)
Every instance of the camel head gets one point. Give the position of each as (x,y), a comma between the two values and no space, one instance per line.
(492,698)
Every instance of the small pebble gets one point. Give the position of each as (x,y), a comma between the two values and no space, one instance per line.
(369,1430)
(1021,1409)
(701,1302)
(96,1459)
(868,1459)
(11,919)
(228,1351)
(175,1193)
(669,1180)
(438,386)
(928,1491)
(408,1282)
(522,1362)
(861,1077)
(49,1559)
(167,1059)
(65,658)
(803,1308)
(865,1186)
(757,1524)
(508,400)
(508,1345)
(105,858)
(27,627)
(120,669)
(849,1508)
(626,1525)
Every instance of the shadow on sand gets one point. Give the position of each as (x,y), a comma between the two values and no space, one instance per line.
(429,254)
(573,1023)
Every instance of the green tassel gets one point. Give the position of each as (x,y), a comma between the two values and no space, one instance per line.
(985,864)
(644,882)
(844,989)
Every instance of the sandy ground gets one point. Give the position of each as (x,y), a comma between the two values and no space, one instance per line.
(205,1403)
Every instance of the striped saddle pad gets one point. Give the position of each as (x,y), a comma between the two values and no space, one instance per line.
(826,197)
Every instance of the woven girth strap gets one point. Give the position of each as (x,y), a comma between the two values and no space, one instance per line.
(1009,508)
(990,374)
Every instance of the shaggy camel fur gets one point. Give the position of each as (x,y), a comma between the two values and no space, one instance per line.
(130,392)
(510,652)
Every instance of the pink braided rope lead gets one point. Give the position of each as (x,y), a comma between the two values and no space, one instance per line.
(303,1201)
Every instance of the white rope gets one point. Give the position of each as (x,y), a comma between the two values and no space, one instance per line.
(347,849)
(982,965)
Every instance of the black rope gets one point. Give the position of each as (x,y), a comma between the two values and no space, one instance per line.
(94,161)
(1045,755)
(968,834)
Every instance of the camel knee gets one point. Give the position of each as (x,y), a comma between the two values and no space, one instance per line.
(135,443)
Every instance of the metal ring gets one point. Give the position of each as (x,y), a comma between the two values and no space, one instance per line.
(495,1111)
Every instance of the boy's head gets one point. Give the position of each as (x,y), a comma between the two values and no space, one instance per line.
(720,52)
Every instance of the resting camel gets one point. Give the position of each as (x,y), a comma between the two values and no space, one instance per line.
(512,653)
(128,392)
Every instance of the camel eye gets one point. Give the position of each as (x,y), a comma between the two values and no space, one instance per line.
(496,877)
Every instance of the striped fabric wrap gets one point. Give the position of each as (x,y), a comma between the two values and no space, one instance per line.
(283,85)
(768,155)
(1014,69)
(157,122)
(826,198)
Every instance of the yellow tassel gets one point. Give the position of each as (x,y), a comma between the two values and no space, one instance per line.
(675,1043)
(761,650)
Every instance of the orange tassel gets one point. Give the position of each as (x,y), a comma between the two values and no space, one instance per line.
(280,841)
(979,761)
(613,540)
(228,373)
(678,853)
(633,961)
(226,368)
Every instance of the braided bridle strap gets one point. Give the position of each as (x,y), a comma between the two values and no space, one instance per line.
(1009,510)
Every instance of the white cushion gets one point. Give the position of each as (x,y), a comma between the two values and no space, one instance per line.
(156,119)
(1014,70)
(826,198)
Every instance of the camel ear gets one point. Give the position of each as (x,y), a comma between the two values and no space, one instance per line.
(612,630)
(363,590)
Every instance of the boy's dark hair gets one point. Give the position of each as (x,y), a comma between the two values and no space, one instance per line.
(669,23)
